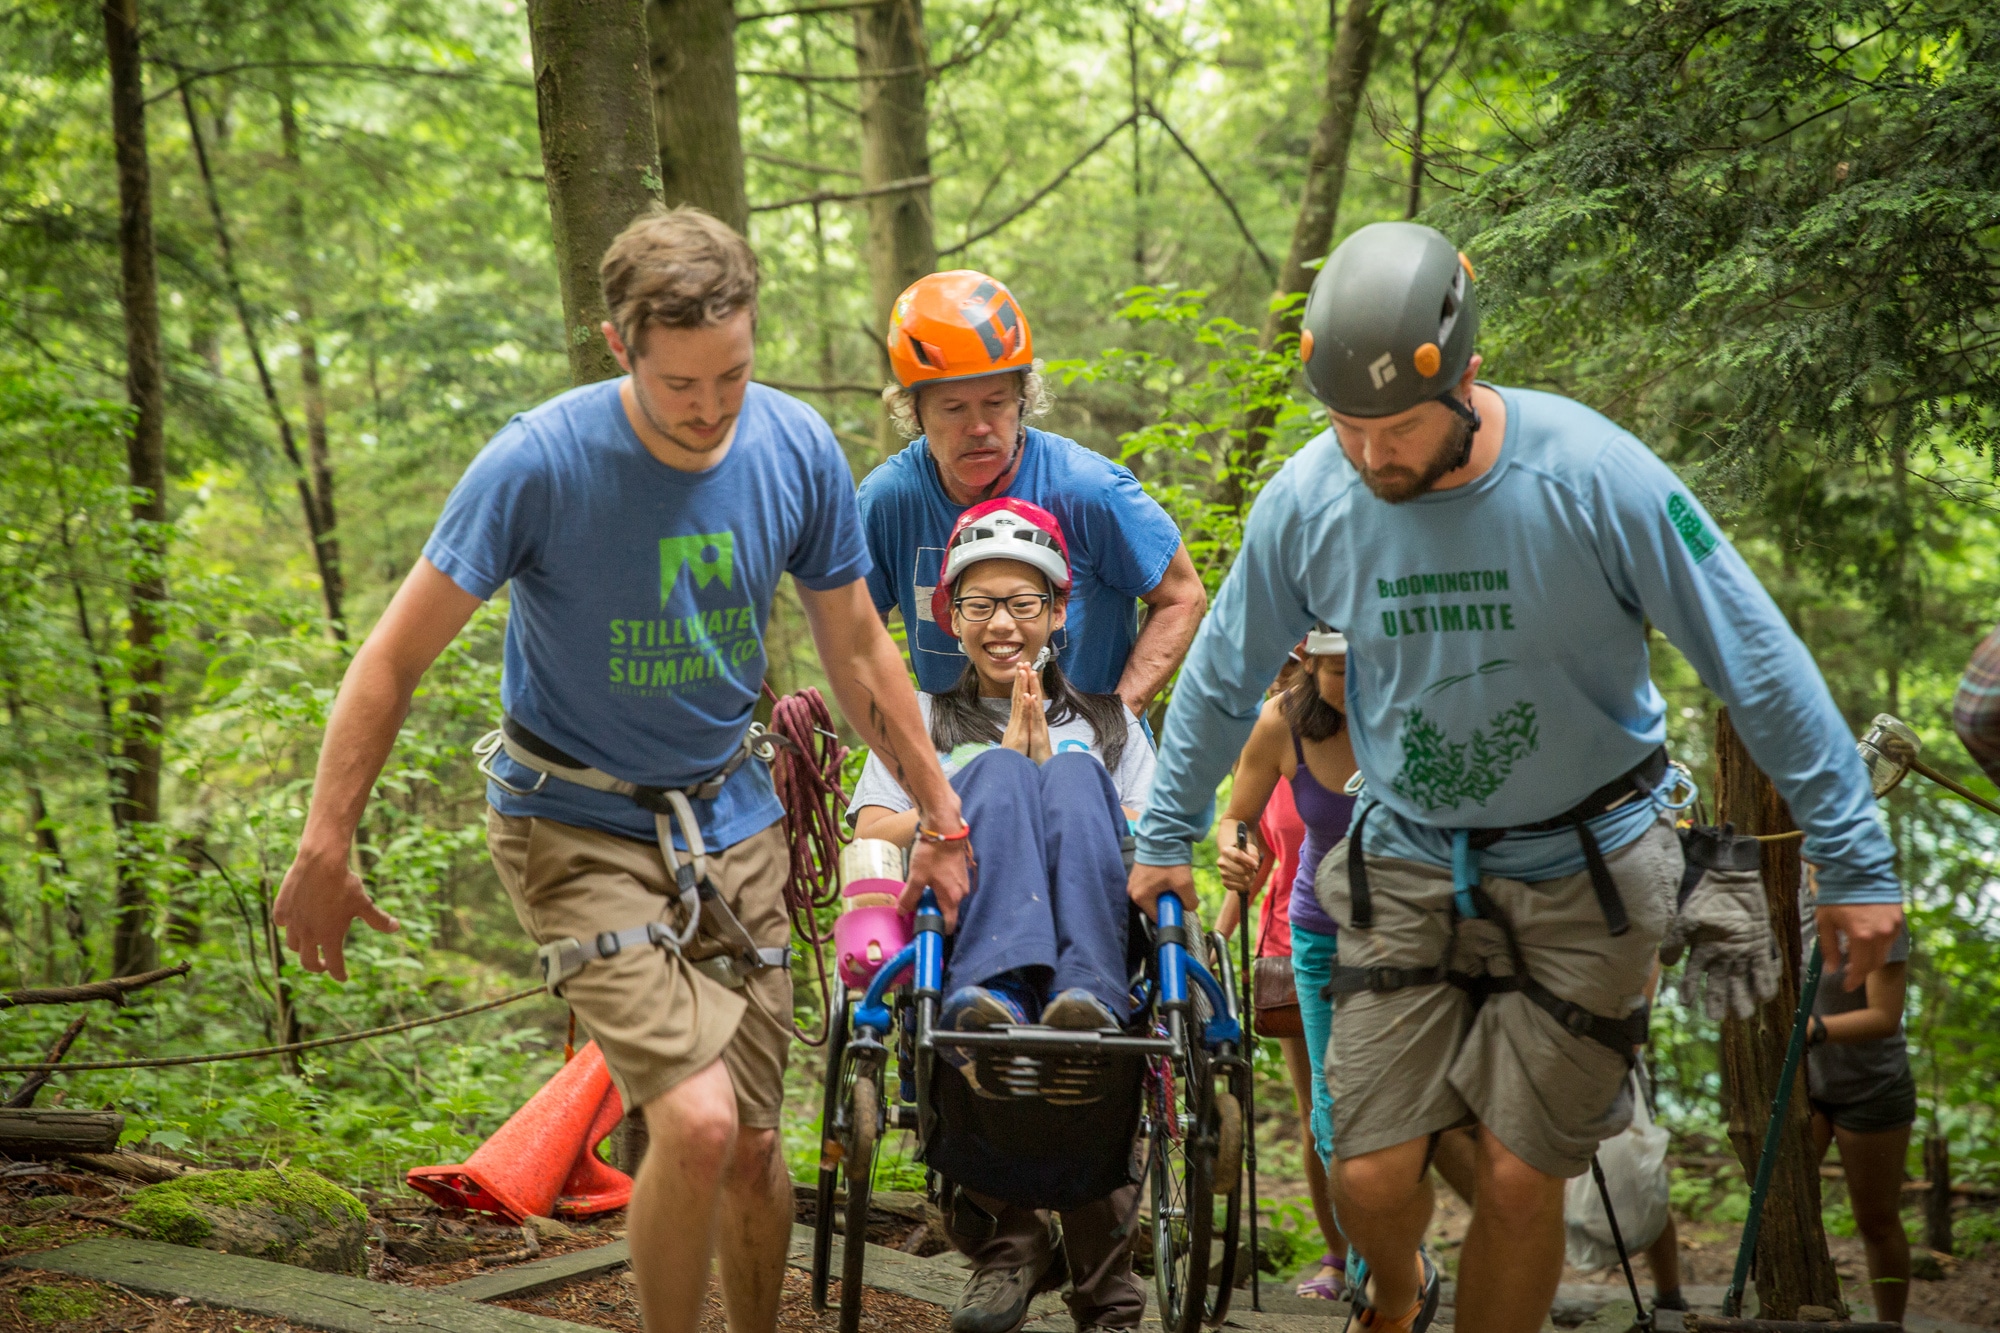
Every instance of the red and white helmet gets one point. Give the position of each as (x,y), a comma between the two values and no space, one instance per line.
(1003,529)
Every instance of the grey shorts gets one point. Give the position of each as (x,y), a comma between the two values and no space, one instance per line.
(1408,1063)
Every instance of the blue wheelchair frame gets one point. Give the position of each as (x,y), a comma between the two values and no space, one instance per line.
(1179,994)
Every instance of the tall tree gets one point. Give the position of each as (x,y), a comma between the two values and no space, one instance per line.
(318,490)
(315,503)
(693,50)
(895,147)
(1793,1266)
(600,156)
(135,803)
(1355,29)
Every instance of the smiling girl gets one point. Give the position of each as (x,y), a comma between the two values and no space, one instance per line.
(1048,778)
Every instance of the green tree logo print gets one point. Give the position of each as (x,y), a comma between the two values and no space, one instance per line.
(708,556)
(1693,532)
(1440,773)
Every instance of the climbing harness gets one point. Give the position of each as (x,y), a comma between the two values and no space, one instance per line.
(733,956)
(1470,901)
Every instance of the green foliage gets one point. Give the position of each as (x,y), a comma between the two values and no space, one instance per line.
(60,1305)
(1769,225)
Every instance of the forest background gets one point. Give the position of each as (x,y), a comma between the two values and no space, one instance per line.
(1762,235)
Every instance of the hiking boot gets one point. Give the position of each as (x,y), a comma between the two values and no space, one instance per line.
(1077,1010)
(996,1299)
(978,1009)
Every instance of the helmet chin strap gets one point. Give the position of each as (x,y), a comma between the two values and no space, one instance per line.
(1470,416)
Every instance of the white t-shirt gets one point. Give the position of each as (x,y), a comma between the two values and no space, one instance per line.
(1134,778)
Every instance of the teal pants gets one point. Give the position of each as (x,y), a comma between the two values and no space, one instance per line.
(1312,967)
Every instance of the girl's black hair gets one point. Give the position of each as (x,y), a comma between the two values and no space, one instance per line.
(1312,717)
(957,718)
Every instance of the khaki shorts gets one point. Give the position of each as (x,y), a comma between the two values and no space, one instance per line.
(1408,1063)
(657,1019)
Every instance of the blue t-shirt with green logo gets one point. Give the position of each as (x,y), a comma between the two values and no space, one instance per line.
(1497,668)
(635,631)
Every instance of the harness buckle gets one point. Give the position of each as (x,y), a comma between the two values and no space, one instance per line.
(487,748)
(560,960)
(607,944)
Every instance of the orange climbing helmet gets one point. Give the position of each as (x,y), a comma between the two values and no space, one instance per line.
(957,325)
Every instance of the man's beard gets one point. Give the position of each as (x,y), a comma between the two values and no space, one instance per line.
(1398,484)
(653,420)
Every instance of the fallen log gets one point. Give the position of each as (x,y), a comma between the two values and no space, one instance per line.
(129,1165)
(113,989)
(40,1132)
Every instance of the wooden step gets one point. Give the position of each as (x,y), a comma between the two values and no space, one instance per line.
(297,1295)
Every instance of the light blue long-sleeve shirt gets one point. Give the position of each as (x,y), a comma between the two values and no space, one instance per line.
(1497,665)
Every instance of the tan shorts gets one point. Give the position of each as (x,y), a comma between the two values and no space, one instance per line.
(655,1017)
(1407,1063)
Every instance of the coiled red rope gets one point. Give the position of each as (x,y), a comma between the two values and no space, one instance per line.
(806,775)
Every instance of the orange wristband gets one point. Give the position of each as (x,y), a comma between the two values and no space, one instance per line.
(926,835)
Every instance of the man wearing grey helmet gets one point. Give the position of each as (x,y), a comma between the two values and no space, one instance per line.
(1494,556)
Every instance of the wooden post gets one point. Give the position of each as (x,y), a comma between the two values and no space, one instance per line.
(1937,1203)
(1793,1266)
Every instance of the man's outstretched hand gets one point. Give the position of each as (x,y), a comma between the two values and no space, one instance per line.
(319,900)
(1866,929)
(1146,884)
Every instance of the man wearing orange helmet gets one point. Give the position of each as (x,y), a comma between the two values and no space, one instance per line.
(967,383)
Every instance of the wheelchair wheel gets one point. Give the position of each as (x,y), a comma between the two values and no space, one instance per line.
(1182,1120)
(865,1110)
(829,1153)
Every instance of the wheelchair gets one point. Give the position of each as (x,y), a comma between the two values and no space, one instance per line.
(1079,1113)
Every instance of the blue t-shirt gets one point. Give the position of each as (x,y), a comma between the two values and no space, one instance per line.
(1120,544)
(1497,665)
(635,635)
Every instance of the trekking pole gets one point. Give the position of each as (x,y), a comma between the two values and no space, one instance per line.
(1247,988)
(1642,1316)
(1767,1158)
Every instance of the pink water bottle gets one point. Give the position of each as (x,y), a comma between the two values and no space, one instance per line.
(870,930)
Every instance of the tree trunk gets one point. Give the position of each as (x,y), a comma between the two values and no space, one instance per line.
(895,145)
(600,156)
(1355,29)
(1937,1202)
(135,804)
(1793,1266)
(693,47)
(319,477)
(325,549)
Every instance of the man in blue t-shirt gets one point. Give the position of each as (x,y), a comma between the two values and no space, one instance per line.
(1494,557)
(964,362)
(643,524)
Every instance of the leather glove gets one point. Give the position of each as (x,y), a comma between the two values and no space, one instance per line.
(1723,918)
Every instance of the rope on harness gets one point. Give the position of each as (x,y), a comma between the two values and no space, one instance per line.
(806,775)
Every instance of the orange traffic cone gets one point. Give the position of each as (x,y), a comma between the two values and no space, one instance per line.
(594,1187)
(526,1166)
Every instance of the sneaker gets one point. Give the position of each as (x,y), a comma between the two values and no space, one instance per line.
(1077,1010)
(977,1009)
(1367,1319)
(995,1300)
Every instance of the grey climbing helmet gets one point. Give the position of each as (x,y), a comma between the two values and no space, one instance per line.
(1390,321)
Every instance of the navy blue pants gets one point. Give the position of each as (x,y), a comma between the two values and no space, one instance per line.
(1049,901)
